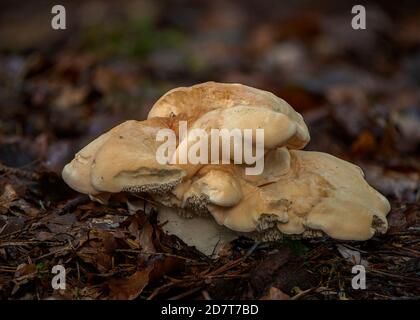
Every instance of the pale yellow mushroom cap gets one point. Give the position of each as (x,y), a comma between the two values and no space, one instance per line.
(128,161)
(231,107)
(123,159)
(193,102)
(319,193)
(218,187)
(77,173)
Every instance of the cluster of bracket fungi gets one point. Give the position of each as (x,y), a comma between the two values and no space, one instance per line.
(299,193)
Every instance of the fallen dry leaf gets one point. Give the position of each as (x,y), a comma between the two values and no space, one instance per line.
(275,294)
(129,288)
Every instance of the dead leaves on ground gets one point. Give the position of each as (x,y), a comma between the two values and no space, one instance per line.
(98,245)
(111,252)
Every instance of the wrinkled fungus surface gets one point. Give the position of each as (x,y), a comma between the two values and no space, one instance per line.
(301,193)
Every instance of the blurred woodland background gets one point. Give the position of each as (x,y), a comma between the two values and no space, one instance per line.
(358,91)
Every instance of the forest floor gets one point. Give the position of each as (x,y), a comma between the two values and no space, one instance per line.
(359,96)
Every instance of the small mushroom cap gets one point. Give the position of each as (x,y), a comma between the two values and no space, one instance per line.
(278,128)
(217,187)
(77,173)
(128,161)
(192,102)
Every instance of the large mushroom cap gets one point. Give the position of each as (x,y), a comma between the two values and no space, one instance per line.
(123,159)
(319,193)
(346,207)
(193,102)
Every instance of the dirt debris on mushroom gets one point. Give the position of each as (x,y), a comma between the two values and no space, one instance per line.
(298,193)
